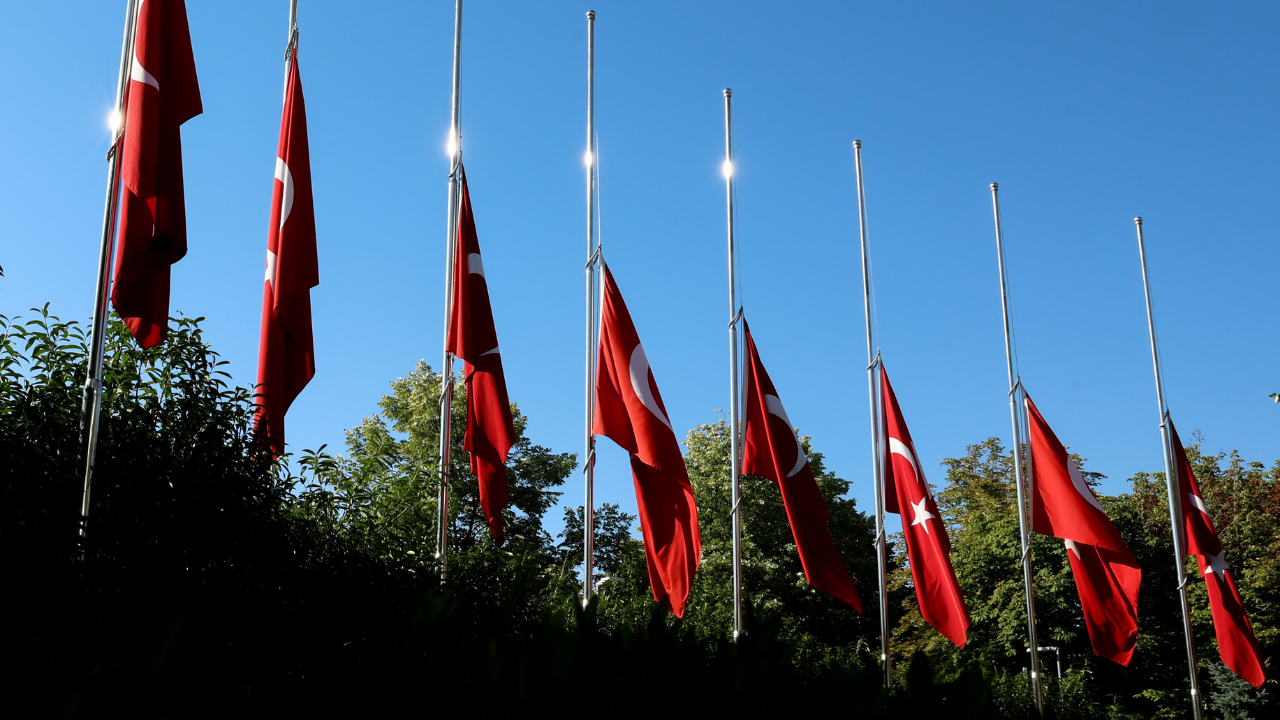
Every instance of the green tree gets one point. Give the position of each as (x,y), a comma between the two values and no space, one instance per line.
(979,504)
(615,549)
(1244,501)
(381,495)
(774,589)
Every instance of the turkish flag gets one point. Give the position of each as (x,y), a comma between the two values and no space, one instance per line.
(1236,643)
(630,412)
(928,545)
(286,350)
(473,339)
(771,449)
(1107,575)
(162,93)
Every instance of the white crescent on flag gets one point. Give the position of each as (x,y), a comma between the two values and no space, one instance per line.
(1081,486)
(774,406)
(136,71)
(286,200)
(638,368)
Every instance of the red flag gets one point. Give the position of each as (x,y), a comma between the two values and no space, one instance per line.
(163,93)
(473,339)
(928,545)
(1236,643)
(286,350)
(772,450)
(1107,575)
(630,412)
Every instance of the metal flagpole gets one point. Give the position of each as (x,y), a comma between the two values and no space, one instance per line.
(91,404)
(446,370)
(1171,477)
(1015,387)
(735,316)
(872,362)
(593,259)
(293,40)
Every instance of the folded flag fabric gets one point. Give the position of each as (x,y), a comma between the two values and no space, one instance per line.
(474,339)
(286,348)
(906,492)
(629,411)
(772,450)
(1106,573)
(163,92)
(1236,642)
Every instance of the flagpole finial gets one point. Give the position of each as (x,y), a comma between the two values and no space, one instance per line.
(728,92)
(1138,221)
(995,186)
(591,14)
(857,144)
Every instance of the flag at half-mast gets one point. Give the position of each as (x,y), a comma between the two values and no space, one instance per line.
(1107,575)
(1236,642)
(163,92)
(286,350)
(907,492)
(474,340)
(629,411)
(771,449)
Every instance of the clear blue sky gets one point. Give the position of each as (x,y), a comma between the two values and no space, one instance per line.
(1086,114)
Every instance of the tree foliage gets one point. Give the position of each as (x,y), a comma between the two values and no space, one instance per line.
(216,581)
(979,505)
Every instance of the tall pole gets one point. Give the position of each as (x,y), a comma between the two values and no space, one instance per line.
(293,40)
(872,362)
(735,316)
(91,402)
(1171,481)
(446,368)
(593,260)
(1015,387)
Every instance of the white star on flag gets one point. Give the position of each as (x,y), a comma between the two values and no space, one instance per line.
(921,514)
(271,270)
(1217,564)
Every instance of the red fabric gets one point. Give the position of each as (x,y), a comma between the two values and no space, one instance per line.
(630,412)
(928,545)
(162,93)
(286,349)
(473,339)
(772,450)
(1236,643)
(1107,575)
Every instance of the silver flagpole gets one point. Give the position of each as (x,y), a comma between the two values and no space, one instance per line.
(293,39)
(735,316)
(91,403)
(446,369)
(1171,477)
(588,465)
(872,362)
(1015,387)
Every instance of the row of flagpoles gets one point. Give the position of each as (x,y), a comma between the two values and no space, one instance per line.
(158,91)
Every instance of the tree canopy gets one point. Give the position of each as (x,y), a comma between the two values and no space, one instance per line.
(217,581)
